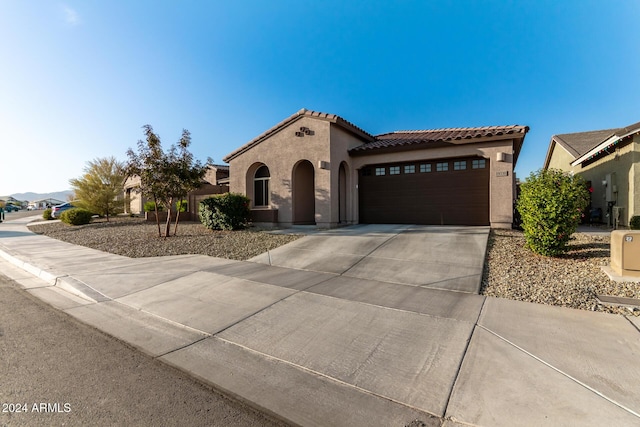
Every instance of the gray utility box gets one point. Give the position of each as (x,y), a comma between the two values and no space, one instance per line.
(625,252)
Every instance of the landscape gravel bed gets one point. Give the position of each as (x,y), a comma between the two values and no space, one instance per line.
(136,238)
(571,280)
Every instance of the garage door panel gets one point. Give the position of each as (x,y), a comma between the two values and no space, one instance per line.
(453,197)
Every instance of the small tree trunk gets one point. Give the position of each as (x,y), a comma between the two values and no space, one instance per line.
(167,230)
(155,202)
(175,228)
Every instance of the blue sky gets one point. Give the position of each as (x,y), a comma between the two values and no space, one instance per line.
(79,79)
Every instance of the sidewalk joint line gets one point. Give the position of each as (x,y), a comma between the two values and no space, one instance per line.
(173,322)
(181,348)
(632,324)
(375,249)
(330,378)
(610,400)
(462,359)
(296,292)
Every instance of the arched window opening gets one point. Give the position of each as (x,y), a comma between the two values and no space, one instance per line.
(261,186)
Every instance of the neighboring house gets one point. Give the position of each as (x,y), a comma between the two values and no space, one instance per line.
(44,203)
(10,200)
(216,181)
(609,160)
(317,168)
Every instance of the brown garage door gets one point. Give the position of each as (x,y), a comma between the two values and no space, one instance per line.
(447,192)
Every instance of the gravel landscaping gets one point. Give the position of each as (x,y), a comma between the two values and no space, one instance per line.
(136,238)
(511,271)
(571,280)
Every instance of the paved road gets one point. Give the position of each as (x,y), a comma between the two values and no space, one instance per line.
(9,216)
(58,371)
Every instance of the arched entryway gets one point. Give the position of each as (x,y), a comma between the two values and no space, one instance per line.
(342,193)
(304,198)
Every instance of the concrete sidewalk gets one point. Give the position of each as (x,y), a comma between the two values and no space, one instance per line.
(367,325)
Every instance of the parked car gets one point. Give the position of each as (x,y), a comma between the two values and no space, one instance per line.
(11,208)
(58,209)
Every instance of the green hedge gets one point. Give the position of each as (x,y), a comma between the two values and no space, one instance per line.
(228,211)
(150,206)
(551,205)
(182,206)
(47,214)
(76,216)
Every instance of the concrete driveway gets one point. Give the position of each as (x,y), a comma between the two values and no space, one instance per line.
(364,325)
(449,258)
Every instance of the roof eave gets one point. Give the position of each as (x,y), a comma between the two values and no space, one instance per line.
(292,119)
(516,137)
(246,147)
(604,144)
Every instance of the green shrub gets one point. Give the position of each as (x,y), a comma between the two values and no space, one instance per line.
(150,206)
(551,204)
(228,211)
(76,216)
(47,214)
(634,222)
(182,206)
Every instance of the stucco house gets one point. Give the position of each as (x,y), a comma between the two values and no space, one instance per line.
(609,160)
(44,203)
(216,181)
(318,168)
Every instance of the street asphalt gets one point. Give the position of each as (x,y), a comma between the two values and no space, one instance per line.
(363,325)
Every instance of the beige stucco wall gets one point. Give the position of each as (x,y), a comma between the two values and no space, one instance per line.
(280,153)
(135,200)
(634,188)
(624,162)
(560,158)
(501,179)
(341,142)
(328,148)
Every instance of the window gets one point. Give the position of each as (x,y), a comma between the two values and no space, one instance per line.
(461,165)
(478,164)
(394,170)
(410,169)
(442,167)
(379,171)
(261,187)
(366,172)
(425,168)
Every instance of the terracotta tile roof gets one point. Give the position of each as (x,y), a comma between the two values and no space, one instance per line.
(437,137)
(350,127)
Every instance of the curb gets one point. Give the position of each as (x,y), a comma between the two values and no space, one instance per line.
(66,283)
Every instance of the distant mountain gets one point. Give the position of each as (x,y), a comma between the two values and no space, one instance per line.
(59,195)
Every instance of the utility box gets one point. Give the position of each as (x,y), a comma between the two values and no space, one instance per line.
(611,192)
(625,252)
